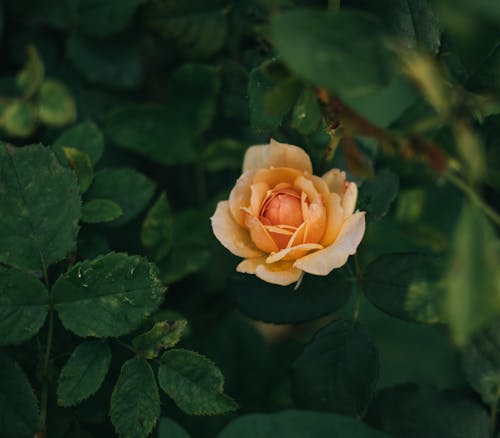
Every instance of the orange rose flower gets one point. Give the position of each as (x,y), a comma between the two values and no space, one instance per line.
(285,221)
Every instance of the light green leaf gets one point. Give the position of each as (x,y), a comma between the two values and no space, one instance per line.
(164,334)
(86,137)
(100,210)
(473,278)
(157,229)
(23,306)
(197,27)
(135,402)
(306,112)
(81,165)
(169,134)
(404,285)
(168,428)
(18,403)
(83,373)
(108,296)
(115,64)
(481,363)
(194,383)
(126,187)
(298,424)
(337,371)
(342,51)
(56,106)
(19,118)
(30,78)
(40,207)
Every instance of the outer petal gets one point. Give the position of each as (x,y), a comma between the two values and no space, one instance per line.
(235,238)
(335,217)
(282,273)
(334,256)
(240,196)
(276,155)
(349,199)
(335,180)
(293,253)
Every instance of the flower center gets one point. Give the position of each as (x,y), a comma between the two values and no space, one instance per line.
(283,208)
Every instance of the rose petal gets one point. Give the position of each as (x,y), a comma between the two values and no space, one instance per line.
(293,253)
(281,273)
(335,180)
(276,176)
(258,193)
(349,199)
(306,185)
(260,236)
(240,196)
(235,238)
(315,222)
(322,262)
(276,155)
(335,217)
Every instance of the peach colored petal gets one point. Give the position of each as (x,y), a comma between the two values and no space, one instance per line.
(240,196)
(306,185)
(321,186)
(335,217)
(281,273)
(298,236)
(335,180)
(275,176)
(293,253)
(235,238)
(315,222)
(276,155)
(258,193)
(260,236)
(349,199)
(322,262)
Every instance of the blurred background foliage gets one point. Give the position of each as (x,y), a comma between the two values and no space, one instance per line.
(152,104)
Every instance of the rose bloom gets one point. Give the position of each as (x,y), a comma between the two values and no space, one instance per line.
(285,221)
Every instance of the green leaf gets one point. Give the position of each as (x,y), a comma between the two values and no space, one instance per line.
(30,78)
(306,114)
(115,64)
(271,93)
(337,371)
(102,19)
(168,134)
(164,334)
(119,185)
(472,279)
(135,402)
(298,424)
(184,259)
(19,118)
(316,297)
(341,51)
(23,306)
(198,28)
(86,137)
(83,373)
(416,411)
(40,207)
(486,78)
(157,229)
(404,285)
(377,194)
(223,154)
(194,383)
(481,363)
(56,106)
(100,210)
(108,296)
(81,165)
(18,403)
(168,428)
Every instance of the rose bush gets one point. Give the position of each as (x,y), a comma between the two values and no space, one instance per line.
(285,221)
